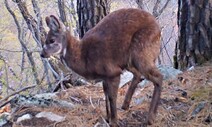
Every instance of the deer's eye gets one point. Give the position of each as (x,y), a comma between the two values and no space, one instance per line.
(51,41)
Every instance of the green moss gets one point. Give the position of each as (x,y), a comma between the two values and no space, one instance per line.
(202,93)
(1,63)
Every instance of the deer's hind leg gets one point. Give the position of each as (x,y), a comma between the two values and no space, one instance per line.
(136,79)
(150,72)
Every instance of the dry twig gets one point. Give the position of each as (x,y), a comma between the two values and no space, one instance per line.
(17,92)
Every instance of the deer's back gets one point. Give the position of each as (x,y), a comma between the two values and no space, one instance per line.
(113,38)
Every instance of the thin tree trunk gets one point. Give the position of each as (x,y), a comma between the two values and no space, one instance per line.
(29,54)
(40,29)
(140,3)
(73,18)
(41,40)
(156,12)
(39,34)
(157,8)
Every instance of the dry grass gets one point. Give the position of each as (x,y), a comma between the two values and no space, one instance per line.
(180,97)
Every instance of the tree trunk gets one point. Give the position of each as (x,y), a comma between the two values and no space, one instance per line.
(195,33)
(90,12)
(140,3)
(61,7)
(158,8)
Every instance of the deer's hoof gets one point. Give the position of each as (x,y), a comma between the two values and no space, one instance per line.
(125,107)
(150,119)
(114,125)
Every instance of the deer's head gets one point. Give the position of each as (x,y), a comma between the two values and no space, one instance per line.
(55,40)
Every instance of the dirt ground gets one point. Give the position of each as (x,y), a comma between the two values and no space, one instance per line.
(186,102)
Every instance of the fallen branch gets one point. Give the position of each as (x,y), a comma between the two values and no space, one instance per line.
(106,123)
(17,92)
(91,102)
(41,100)
(62,83)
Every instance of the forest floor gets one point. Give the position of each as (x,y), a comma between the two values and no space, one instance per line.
(185,102)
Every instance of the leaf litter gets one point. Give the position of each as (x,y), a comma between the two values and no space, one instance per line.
(186,101)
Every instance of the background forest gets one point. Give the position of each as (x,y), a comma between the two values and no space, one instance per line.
(20,43)
(184,60)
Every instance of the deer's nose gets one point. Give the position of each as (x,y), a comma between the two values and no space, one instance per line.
(42,55)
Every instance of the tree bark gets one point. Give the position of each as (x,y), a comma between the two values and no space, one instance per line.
(195,33)
(61,7)
(140,3)
(157,8)
(40,29)
(73,18)
(31,22)
(90,12)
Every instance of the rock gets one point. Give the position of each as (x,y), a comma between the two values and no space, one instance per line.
(197,109)
(24,117)
(138,101)
(29,119)
(4,118)
(46,95)
(191,68)
(50,116)
(208,119)
(126,77)
(44,100)
(168,73)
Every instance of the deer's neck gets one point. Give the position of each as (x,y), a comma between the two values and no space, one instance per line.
(71,55)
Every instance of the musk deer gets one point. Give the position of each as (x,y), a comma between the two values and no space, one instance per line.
(125,39)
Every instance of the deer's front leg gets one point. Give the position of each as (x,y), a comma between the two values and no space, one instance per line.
(112,85)
(108,113)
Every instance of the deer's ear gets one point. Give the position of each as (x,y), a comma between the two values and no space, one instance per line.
(53,23)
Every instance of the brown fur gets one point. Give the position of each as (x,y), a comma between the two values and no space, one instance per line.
(125,39)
